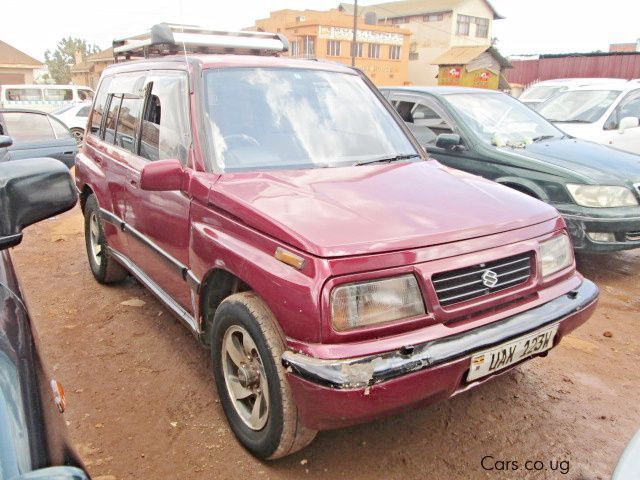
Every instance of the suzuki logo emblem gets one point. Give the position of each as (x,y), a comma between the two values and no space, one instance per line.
(489,278)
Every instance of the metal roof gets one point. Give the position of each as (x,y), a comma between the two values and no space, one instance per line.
(443,90)
(12,56)
(464,55)
(408,8)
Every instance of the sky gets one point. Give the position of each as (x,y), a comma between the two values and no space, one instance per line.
(532,26)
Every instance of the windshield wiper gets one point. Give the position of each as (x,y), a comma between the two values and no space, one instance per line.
(570,121)
(397,158)
(543,137)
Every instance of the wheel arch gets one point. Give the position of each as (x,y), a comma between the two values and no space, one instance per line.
(84,195)
(525,186)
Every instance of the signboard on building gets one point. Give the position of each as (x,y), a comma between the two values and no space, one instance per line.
(368,36)
(461,77)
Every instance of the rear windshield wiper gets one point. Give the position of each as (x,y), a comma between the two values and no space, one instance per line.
(396,158)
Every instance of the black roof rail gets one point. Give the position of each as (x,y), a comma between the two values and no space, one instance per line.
(171,39)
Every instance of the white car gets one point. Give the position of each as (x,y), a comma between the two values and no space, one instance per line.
(537,93)
(75,118)
(604,113)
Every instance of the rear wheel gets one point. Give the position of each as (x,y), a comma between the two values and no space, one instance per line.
(246,346)
(105,268)
(78,134)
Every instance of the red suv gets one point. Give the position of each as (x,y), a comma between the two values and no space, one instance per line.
(286,215)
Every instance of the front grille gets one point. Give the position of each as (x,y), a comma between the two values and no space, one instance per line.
(468,283)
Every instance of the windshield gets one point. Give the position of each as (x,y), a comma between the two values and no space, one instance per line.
(277,118)
(501,120)
(541,92)
(578,106)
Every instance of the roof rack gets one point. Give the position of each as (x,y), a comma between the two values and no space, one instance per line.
(169,39)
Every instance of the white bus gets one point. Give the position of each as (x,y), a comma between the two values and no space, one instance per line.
(44,98)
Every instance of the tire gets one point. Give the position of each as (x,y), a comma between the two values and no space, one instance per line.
(78,135)
(279,433)
(105,268)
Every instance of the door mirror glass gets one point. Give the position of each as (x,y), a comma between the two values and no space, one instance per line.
(5,141)
(448,141)
(628,122)
(32,190)
(162,176)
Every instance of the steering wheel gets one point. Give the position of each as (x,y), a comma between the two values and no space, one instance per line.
(242,138)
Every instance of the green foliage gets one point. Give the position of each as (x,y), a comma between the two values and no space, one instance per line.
(62,58)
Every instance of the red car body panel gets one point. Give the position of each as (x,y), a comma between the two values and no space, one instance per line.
(348,224)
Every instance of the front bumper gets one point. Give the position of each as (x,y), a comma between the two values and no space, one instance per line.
(625,229)
(336,393)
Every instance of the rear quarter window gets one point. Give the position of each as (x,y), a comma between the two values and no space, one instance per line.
(23,94)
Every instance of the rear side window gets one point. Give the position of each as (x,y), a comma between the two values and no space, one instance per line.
(85,95)
(166,129)
(128,118)
(58,94)
(24,94)
(27,127)
(99,106)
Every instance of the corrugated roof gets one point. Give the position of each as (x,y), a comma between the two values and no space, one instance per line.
(12,56)
(464,55)
(101,56)
(407,8)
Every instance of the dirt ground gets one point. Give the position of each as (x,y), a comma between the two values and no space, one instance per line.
(141,402)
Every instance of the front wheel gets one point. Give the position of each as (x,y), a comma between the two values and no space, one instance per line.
(246,346)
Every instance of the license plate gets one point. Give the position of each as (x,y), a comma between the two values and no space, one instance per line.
(500,357)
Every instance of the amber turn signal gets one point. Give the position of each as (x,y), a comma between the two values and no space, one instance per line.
(58,395)
(290,258)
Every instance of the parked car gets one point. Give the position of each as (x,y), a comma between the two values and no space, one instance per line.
(33,443)
(595,188)
(628,467)
(75,118)
(607,114)
(538,92)
(44,98)
(37,134)
(286,215)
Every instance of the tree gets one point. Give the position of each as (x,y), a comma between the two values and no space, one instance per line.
(62,58)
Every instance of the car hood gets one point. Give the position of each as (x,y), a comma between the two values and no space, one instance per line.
(590,161)
(333,212)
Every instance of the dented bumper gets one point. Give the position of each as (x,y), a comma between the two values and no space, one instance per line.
(327,389)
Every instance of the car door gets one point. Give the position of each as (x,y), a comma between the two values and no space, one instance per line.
(159,221)
(39,135)
(627,139)
(427,119)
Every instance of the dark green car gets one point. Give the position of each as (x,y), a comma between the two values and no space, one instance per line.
(596,188)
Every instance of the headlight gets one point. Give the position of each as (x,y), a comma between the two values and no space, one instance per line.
(555,254)
(357,305)
(602,196)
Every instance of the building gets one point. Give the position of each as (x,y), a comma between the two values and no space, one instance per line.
(625,47)
(436,26)
(16,66)
(87,71)
(472,66)
(382,51)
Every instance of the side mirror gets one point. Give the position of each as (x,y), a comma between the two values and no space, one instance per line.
(628,122)
(32,190)
(5,141)
(448,141)
(54,473)
(162,176)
